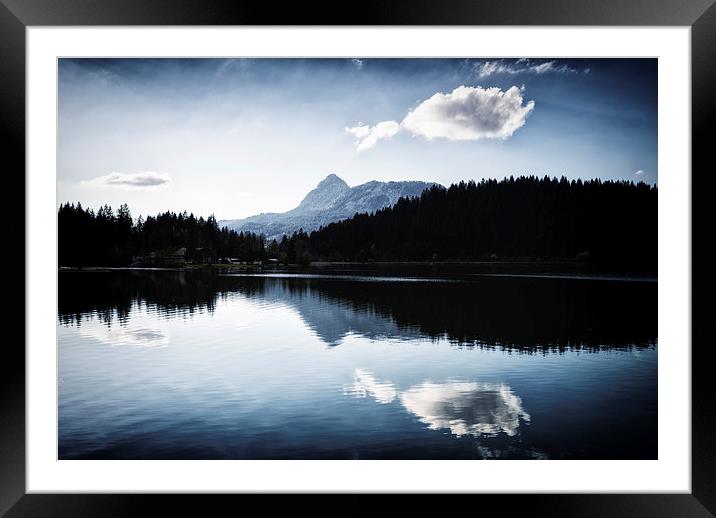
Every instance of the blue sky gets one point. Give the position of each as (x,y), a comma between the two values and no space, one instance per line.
(236,137)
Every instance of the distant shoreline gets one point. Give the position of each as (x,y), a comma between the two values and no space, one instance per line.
(514,268)
(535,269)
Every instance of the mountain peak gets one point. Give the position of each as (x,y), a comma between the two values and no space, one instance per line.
(330,189)
(331,200)
(332,179)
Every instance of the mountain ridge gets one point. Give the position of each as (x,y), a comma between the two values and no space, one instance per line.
(331,200)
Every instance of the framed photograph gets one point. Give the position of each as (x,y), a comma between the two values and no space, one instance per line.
(423,250)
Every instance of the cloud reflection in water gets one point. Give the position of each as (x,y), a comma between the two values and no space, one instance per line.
(132,337)
(464,408)
(366,384)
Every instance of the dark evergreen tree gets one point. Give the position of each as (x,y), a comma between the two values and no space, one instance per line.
(524,218)
(113,239)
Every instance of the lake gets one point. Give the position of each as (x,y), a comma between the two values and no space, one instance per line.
(202,365)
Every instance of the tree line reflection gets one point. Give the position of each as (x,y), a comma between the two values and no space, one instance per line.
(521,314)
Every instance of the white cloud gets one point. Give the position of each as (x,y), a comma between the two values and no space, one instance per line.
(466,113)
(521,66)
(639,173)
(367,136)
(470,113)
(143,180)
(357,62)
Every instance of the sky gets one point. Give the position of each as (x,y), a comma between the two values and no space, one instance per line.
(237,137)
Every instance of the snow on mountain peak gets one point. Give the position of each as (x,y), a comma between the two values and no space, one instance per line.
(331,200)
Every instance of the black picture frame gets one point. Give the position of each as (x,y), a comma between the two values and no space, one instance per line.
(700,15)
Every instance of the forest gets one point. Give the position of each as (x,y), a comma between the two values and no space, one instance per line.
(113,238)
(525,219)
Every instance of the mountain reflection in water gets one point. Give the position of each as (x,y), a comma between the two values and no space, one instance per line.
(513,313)
(195,365)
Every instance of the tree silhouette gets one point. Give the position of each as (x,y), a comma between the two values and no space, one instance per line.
(107,238)
(525,218)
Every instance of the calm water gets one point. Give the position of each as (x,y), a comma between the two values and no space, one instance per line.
(179,365)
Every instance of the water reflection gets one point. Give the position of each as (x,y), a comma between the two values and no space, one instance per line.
(365,384)
(466,408)
(521,314)
(122,336)
(463,408)
(210,367)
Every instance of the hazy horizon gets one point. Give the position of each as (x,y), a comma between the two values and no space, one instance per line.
(237,137)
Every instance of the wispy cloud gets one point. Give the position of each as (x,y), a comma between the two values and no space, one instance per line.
(522,66)
(640,172)
(357,62)
(466,113)
(367,136)
(143,180)
(229,66)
